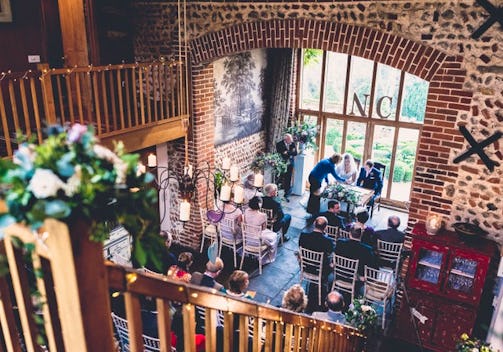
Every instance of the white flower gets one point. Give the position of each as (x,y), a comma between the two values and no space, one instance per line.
(475,349)
(72,185)
(366,308)
(121,171)
(106,154)
(45,183)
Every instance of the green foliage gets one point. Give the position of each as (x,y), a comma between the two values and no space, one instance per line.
(361,316)
(272,160)
(341,192)
(305,133)
(467,344)
(414,101)
(70,176)
(312,56)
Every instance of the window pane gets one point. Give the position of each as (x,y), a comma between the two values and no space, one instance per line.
(335,82)
(404,164)
(415,93)
(360,80)
(355,139)
(311,79)
(382,149)
(333,137)
(386,92)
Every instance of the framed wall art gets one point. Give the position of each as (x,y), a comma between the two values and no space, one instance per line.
(5,11)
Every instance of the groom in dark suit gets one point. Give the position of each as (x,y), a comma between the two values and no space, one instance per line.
(287,149)
(370,178)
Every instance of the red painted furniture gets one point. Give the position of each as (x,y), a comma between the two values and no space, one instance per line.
(445,282)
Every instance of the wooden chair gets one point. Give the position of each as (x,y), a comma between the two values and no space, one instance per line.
(270,222)
(228,226)
(343,233)
(332,232)
(151,344)
(210,230)
(345,274)
(377,200)
(389,255)
(379,289)
(311,268)
(252,244)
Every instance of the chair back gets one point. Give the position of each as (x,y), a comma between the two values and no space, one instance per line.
(345,272)
(252,239)
(311,264)
(151,344)
(389,253)
(270,218)
(332,232)
(343,233)
(227,225)
(378,284)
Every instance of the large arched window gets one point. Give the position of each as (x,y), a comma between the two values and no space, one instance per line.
(366,108)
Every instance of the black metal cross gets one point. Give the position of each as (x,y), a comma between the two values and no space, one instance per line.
(478,148)
(495,14)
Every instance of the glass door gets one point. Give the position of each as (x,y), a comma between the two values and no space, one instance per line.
(426,268)
(464,276)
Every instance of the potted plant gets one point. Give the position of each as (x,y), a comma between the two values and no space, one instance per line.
(467,344)
(361,316)
(273,161)
(305,134)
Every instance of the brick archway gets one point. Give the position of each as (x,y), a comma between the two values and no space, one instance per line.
(446,99)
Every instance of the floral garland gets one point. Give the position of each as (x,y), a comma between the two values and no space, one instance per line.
(361,316)
(70,176)
(340,192)
(467,344)
(305,134)
(272,160)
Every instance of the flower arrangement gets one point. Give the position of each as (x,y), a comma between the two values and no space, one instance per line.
(467,344)
(305,134)
(70,176)
(340,192)
(361,316)
(272,160)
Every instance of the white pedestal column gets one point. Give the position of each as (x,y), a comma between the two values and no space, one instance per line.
(300,177)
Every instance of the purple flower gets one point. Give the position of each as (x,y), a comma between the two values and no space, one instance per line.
(76,132)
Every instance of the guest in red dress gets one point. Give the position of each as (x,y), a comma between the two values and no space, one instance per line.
(180,271)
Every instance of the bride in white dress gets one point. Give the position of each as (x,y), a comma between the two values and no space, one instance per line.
(347,169)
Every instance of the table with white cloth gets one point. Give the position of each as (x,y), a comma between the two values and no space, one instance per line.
(353,196)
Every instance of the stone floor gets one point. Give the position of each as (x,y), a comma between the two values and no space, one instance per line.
(277,277)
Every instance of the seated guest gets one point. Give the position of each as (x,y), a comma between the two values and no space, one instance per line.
(253,216)
(370,178)
(391,234)
(318,241)
(347,169)
(238,284)
(335,305)
(353,248)
(250,190)
(235,215)
(208,279)
(294,299)
(180,271)
(332,214)
(319,174)
(269,202)
(367,233)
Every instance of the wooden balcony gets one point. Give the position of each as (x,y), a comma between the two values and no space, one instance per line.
(141,104)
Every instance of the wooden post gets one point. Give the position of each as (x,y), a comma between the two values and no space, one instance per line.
(47,94)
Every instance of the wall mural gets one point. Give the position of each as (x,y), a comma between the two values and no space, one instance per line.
(239,107)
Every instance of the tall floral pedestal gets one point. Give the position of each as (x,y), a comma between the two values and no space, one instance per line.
(299,175)
(73,284)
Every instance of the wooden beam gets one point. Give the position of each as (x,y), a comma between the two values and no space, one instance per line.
(73,31)
(147,136)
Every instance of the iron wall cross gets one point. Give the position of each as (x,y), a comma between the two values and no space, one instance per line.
(495,14)
(478,148)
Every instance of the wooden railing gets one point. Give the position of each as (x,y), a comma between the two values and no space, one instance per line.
(116,99)
(76,288)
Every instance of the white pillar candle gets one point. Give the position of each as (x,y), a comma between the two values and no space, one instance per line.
(190,171)
(184,211)
(226,164)
(259,180)
(152,160)
(225,193)
(234,173)
(239,194)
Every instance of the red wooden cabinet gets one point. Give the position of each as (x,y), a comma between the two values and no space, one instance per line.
(445,282)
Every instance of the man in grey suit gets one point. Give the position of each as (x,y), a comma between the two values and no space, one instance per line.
(335,305)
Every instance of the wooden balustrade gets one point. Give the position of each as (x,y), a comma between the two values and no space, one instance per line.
(115,99)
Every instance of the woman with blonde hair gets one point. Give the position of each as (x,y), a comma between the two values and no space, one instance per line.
(347,169)
(295,299)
